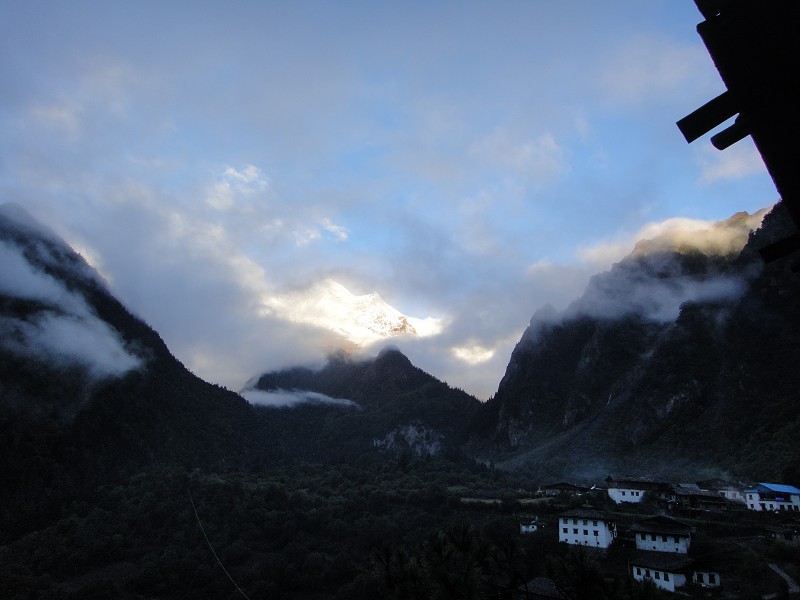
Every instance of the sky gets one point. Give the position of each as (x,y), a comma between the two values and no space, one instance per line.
(470,162)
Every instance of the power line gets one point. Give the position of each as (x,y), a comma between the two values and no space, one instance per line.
(236,585)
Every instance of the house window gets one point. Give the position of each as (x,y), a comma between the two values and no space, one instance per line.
(642,536)
(712,579)
(596,533)
(594,523)
(623,492)
(666,576)
(575,531)
(653,537)
(700,578)
(663,538)
(658,575)
(565,521)
(638,571)
(564,529)
(677,540)
(574,521)
(585,532)
(647,572)
(585,521)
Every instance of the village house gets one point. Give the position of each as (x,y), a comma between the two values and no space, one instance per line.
(667,571)
(540,588)
(632,490)
(706,578)
(773,497)
(555,489)
(662,534)
(689,497)
(586,527)
(733,491)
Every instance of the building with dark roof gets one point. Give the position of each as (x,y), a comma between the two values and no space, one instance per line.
(632,489)
(666,570)
(662,534)
(540,588)
(692,498)
(586,527)
(554,489)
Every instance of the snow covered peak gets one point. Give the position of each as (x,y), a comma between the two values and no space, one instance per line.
(360,319)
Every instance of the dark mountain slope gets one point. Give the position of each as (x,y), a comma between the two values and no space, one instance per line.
(397,407)
(89,393)
(678,362)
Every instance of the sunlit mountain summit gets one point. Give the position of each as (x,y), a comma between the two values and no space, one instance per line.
(361,320)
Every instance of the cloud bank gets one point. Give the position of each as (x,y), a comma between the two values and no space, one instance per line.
(289,398)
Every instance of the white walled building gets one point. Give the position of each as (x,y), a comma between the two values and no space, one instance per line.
(775,497)
(631,490)
(586,527)
(662,534)
(626,494)
(667,571)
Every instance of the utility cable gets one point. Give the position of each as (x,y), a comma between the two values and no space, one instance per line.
(236,585)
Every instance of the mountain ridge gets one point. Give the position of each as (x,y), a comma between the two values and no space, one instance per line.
(75,426)
(591,391)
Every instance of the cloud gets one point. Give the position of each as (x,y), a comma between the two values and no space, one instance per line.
(539,159)
(65,330)
(632,291)
(237,185)
(20,279)
(421,153)
(339,233)
(736,162)
(69,339)
(721,238)
(647,67)
(650,282)
(473,354)
(290,398)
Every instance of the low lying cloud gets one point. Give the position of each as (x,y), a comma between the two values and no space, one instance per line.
(627,292)
(678,234)
(289,398)
(65,330)
(69,339)
(651,281)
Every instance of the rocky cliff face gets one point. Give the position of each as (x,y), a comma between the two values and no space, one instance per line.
(681,359)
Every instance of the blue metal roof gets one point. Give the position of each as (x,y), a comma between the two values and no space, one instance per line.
(776,487)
